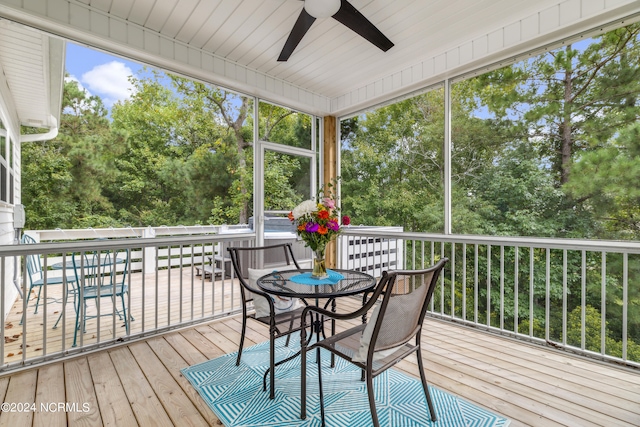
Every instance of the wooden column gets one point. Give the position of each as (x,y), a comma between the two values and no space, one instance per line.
(330,172)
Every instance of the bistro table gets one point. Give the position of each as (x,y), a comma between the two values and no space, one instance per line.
(300,284)
(351,283)
(88,263)
(68,265)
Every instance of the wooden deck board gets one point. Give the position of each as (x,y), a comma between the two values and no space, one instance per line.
(139,383)
(576,369)
(173,363)
(462,362)
(50,390)
(112,399)
(80,391)
(20,392)
(498,382)
(142,397)
(175,402)
(572,385)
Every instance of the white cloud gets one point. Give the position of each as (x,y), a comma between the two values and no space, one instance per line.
(72,78)
(109,81)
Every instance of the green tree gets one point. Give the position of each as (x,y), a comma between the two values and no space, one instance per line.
(570,100)
(280,193)
(211,105)
(64,179)
(178,157)
(516,196)
(392,165)
(573,105)
(593,335)
(288,127)
(607,179)
(46,186)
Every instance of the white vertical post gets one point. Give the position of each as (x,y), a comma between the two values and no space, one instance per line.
(447,157)
(258,178)
(149,252)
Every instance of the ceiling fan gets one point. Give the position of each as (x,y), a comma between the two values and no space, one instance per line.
(340,10)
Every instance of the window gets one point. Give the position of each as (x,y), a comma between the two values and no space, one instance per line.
(284,126)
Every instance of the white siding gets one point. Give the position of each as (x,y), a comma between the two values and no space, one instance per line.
(7,233)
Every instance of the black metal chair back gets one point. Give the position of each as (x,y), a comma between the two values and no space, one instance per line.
(264,259)
(260,257)
(399,303)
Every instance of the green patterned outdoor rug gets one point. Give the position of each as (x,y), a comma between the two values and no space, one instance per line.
(235,395)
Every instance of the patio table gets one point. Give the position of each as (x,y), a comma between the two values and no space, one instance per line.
(89,262)
(299,284)
(351,283)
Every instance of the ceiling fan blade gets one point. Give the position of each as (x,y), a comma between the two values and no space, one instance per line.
(300,28)
(352,18)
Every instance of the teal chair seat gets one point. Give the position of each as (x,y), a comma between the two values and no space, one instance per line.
(104,291)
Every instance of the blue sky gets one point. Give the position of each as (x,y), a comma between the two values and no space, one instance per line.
(100,74)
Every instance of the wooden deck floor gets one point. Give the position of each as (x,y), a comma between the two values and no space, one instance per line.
(140,383)
(156,301)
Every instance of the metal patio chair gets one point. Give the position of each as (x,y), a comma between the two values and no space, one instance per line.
(386,339)
(37,275)
(249,264)
(97,277)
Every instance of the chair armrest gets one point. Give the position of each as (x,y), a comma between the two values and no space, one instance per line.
(338,316)
(378,290)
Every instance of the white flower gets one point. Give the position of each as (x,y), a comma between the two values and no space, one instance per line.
(304,208)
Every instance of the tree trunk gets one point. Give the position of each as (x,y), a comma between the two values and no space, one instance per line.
(242,160)
(241,144)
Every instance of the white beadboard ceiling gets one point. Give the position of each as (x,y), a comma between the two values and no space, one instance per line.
(333,70)
(26,59)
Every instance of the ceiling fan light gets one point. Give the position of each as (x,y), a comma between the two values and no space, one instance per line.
(322,8)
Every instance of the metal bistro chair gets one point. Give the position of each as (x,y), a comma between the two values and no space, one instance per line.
(36,274)
(386,339)
(97,277)
(281,321)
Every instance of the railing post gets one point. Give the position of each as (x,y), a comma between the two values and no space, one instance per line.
(149,252)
